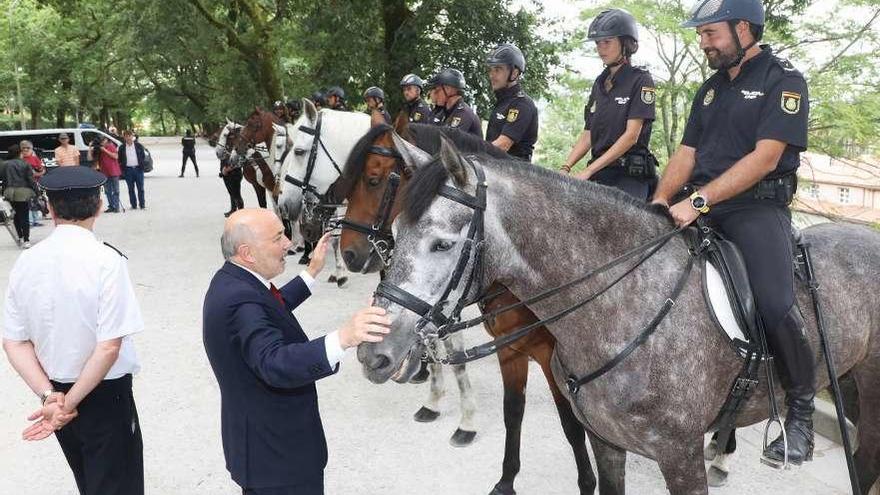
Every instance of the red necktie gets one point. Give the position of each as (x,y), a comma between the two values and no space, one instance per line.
(277,294)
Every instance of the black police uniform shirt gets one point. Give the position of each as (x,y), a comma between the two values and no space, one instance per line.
(419,112)
(767,100)
(462,117)
(438,114)
(632,96)
(515,116)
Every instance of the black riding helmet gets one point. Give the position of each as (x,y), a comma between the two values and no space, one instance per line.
(337,92)
(448,77)
(319,98)
(412,80)
(507,54)
(374,92)
(616,23)
(731,11)
(277,104)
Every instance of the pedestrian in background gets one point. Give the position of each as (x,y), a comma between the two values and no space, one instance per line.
(19,188)
(189,152)
(66,154)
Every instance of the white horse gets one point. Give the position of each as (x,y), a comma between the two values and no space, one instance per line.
(322,143)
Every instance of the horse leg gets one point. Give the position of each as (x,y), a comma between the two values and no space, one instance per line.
(573,429)
(466,431)
(430,410)
(682,467)
(514,376)
(610,464)
(719,470)
(867,457)
(261,195)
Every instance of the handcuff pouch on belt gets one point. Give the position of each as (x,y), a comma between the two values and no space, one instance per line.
(639,164)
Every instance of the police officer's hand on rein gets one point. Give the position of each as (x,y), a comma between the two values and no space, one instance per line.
(683,213)
(318,256)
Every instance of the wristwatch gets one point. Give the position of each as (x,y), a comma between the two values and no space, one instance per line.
(698,201)
(44,395)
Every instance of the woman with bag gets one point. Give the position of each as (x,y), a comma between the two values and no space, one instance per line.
(19,188)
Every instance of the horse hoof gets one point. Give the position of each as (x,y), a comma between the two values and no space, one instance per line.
(710,451)
(332,279)
(425,415)
(503,489)
(716,477)
(341,281)
(462,438)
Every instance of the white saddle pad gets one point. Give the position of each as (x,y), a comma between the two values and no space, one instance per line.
(721,304)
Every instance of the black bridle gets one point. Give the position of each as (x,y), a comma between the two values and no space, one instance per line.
(472,250)
(378,233)
(306,184)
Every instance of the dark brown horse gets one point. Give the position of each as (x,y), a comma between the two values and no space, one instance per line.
(364,182)
(256,153)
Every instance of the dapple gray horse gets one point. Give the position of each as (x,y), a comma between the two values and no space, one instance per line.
(659,401)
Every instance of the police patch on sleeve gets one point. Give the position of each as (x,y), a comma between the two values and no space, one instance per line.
(791,102)
(709,98)
(456,121)
(417,117)
(648,95)
(512,115)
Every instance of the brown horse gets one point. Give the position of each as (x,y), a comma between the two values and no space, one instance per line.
(364,182)
(256,152)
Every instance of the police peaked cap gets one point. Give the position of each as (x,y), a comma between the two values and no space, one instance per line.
(613,23)
(507,54)
(375,92)
(711,11)
(448,77)
(76,179)
(412,80)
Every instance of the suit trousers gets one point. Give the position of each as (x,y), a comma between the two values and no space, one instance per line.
(103,445)
(314,488)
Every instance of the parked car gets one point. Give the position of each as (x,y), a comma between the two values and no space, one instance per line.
(46,140)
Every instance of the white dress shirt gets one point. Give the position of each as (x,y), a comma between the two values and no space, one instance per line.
(131,156)
(334,350)
(65,295)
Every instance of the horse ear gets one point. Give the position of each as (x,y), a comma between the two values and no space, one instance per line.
(228,121)
(451,159)
(257,109)
(309,110)
(401,123)
(376,118)
(413,157)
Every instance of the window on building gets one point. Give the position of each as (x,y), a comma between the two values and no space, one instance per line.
(813,190)
(843,193)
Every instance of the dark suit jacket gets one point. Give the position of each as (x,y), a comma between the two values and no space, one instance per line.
(266,368)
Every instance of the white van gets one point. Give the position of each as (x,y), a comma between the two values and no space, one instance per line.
(46,140)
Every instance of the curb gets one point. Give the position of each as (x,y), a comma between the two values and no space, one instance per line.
(825,423)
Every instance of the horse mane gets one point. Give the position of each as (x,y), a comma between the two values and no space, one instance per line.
(423,136)
(422,188)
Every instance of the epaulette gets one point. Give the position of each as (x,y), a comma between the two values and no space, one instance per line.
(640,68)
(784,63)
(114,248)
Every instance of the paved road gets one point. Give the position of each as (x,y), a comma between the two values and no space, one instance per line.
(375,447)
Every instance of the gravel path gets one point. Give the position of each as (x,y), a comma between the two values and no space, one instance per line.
(375,447)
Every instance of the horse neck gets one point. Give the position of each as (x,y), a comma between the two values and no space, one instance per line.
(340,131)
(534,220)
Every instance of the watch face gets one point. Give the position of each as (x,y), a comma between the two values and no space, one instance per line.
(699,202)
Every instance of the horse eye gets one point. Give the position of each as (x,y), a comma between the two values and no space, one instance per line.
(442,245)
(374,181)
(299,152)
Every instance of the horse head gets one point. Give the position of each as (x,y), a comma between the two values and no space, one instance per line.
(376,170)
(225,139)
(431,240)
(322,142)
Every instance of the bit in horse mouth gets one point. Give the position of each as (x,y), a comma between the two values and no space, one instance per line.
(402,367)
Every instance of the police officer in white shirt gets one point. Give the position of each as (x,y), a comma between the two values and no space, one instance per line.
(70,312)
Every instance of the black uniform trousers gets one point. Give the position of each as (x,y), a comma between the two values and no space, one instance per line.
(232,181)
(615,176)
(315,488)
(192,156)
(103,444)
(22,219)
(762,230)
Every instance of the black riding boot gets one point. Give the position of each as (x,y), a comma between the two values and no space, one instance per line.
(796,367)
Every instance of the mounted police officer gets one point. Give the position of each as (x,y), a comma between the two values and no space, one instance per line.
(280,111)
(336,99)
(513,125)
(418,111)
(319,99)
(374,97)
(619,113)
(447,90)
(740,150)
(294,110)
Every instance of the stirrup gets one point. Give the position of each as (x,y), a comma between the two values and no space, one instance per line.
(773,462)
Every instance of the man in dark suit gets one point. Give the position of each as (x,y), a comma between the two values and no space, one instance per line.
(273,438)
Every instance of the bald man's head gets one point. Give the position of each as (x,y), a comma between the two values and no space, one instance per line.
(254,238)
